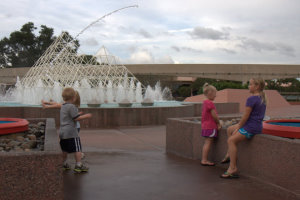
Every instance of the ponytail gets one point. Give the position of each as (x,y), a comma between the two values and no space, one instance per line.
(207,87)
(261,83)
(263,97)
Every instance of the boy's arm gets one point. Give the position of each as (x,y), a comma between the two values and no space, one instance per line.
(52,105)
(85,116)
(245,117)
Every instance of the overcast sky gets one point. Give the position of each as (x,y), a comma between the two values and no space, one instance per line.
(170,31)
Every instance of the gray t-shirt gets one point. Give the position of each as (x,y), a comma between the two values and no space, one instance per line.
(68,114)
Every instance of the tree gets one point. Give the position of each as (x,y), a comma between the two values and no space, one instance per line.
(23,48)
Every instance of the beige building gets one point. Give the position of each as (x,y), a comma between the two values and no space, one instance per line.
(174,72)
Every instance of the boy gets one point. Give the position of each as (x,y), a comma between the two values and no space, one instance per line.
(68,134)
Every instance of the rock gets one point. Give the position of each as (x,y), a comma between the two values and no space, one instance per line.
(13,143)
(6,141)
(31,137)
(42,148)
(20,138)
(29,145)
(27,150)
(41,124)
(7,148)
(19,149)
(32,125)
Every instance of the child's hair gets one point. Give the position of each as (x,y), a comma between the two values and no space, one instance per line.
(77,99)
(207,87)
(261,84)
(68,94)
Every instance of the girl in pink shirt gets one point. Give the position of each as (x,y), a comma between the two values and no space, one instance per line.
(210,123)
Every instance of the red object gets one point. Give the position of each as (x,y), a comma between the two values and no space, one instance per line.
(282,131)
(15,125)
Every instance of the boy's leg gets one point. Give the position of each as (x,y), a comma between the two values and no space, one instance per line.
(65,156)
(79,167)
(66,166)
(78,156)
(205,150)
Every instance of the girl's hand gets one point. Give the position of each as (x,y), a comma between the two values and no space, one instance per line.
(80,113)
(219,126)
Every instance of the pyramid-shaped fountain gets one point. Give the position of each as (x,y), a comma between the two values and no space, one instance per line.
(101,79)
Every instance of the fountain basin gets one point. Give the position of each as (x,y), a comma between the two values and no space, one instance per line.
(13,125)
(93,105)
(147,103)
(289,128)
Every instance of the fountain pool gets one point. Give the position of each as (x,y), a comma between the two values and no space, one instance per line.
(289,128)
(13,125)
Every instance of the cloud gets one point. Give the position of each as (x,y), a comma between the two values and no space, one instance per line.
(144,33)
(174,28)
(266,46)
(90,42)
(144,56)
(191,49)
(256,45)
(141,57)
(229,51)
(208,33)
(180,49)
(166,59)
(286,49)
(176,48)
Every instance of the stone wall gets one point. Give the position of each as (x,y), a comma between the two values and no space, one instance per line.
(269,159)
(35,174)
(117,117)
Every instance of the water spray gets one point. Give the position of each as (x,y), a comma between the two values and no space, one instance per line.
(94,22)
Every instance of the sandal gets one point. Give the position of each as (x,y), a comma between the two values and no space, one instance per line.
(227,175)
(225,160)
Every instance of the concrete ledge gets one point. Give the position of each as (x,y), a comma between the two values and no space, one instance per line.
(117,117)
(33,175)
(270,159)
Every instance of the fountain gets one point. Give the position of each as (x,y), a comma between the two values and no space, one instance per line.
(106,87)
(107,81)
(102,79)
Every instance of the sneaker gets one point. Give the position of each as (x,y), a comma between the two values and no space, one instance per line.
(81,168)
(66,166)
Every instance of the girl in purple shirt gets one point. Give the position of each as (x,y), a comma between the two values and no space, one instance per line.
(250,124)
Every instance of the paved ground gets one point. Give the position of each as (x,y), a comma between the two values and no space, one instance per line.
(131,164)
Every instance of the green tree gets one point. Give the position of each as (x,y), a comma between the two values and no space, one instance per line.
(184,91)
(23,48)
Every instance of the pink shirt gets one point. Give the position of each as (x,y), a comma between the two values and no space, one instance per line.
(207,121)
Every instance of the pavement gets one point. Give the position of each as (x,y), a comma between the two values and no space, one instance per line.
(130,163)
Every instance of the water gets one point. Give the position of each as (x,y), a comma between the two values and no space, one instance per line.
(293,124)
(88,94)
(5,122)
(105,105)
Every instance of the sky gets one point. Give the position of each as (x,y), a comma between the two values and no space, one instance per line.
(170,31)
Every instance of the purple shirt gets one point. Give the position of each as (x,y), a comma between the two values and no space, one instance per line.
(254,123)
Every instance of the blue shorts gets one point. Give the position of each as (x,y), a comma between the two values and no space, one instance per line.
(246,133)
